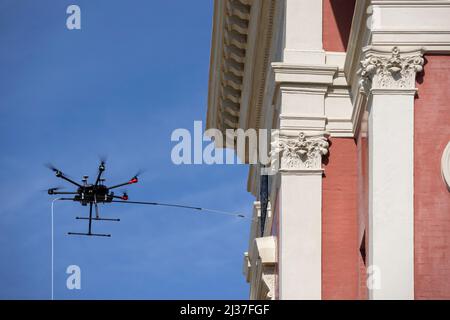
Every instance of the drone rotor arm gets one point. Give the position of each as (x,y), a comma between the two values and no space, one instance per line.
(62,176)
(101,169)
(61,192)
(122,184)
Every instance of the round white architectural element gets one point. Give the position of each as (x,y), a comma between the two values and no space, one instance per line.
(445,165)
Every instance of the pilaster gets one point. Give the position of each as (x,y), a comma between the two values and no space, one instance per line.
(298,159)
(388,78)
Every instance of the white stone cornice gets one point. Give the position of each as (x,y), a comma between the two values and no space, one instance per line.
(326,80)
(394,71)
(298,153)
(267,249)
(393,91)
(411,23)
(228,57)
(309,74)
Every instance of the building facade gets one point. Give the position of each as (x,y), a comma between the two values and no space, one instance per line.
(358,94)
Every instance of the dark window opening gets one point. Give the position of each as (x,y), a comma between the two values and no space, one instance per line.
(362,248)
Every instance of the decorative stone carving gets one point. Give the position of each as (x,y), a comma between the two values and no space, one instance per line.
(300,152)
(268,278)
(445,166)
(260,268)
(395,72)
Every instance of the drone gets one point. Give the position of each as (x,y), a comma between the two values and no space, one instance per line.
(98,192)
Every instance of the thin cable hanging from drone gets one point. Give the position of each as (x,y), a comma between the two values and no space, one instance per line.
(173,205)
(235,214)
(98,193)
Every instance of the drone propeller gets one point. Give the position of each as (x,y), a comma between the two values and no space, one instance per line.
(135,178)
(88,194)
(103,158)
(61,175)
(50,166)
(140,172)
(54,169)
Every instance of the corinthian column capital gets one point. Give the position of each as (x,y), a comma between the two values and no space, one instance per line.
(390,70)
(298,152)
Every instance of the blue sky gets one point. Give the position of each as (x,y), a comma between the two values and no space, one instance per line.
(136,71)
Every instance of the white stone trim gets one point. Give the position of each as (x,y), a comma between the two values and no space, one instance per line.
(256,223)
(259,268)
(389,80)
(298,152)
(407,24)
(397,71)
(391,195)
(246,267)
(302,32)
(267,251)
(445,165)
(421,23)
(266,247)
(228,57)
(300,235)
(315,74)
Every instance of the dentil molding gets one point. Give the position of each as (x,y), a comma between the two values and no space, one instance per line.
(397,71)
(299,152)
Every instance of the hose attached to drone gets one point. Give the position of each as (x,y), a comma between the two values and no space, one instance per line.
(234,214)
(239,215)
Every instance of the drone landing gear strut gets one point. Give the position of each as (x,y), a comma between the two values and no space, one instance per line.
(97,219)
(90,218)
(88,234)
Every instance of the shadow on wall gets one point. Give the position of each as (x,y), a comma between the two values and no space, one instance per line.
(338,16)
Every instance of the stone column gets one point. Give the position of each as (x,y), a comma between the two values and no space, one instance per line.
(389,81)
(300,222)
(303,32)
(300,144)
(301,81)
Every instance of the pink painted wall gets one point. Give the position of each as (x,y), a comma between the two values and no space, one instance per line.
(337,21)
(340,273)
(431,197)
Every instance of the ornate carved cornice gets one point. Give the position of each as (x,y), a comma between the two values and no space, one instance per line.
(396,71)
(228,56)
(299,152)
